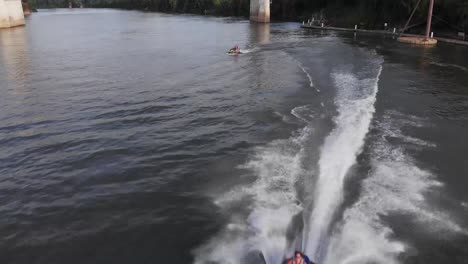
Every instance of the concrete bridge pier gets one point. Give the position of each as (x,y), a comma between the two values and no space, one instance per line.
(260,11)
(11,13)
(26,9)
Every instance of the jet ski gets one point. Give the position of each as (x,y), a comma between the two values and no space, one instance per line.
(234,51)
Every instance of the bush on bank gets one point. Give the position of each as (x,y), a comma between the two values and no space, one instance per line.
(450,14)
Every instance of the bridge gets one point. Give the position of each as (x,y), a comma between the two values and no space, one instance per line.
(11,12)
(260,11)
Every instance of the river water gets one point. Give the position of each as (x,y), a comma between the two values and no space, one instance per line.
(131,137)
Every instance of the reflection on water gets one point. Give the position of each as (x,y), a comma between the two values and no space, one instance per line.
(15,56)
(426,57)
(260,33)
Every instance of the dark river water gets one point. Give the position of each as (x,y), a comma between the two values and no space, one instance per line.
(131,137)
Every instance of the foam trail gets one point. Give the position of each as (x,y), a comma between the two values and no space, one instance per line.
(339,153)
(311,83)
(272,203)
(450,65)
(394,184)
(250,50)
(304,113)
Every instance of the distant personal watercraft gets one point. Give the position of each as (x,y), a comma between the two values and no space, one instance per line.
(234,51)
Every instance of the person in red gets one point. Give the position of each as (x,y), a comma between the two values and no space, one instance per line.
(299,258)
(235,49)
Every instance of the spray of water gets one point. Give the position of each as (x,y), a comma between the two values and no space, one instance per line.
(355,102)
(260,231)
(272,199)
(394,184)
(271,202)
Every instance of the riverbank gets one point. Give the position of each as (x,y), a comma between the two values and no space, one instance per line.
(393,32)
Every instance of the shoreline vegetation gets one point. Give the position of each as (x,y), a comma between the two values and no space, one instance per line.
(449,15)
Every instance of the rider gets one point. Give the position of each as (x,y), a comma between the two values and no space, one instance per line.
(299,258)
(236,49)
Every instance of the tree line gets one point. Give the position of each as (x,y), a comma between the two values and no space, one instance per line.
(449,14)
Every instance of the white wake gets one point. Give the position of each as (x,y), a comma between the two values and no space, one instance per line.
(395,184)
(259,231)
(272,202)
(355,103)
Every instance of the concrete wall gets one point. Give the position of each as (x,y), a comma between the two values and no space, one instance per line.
(11,13)
(260,11)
